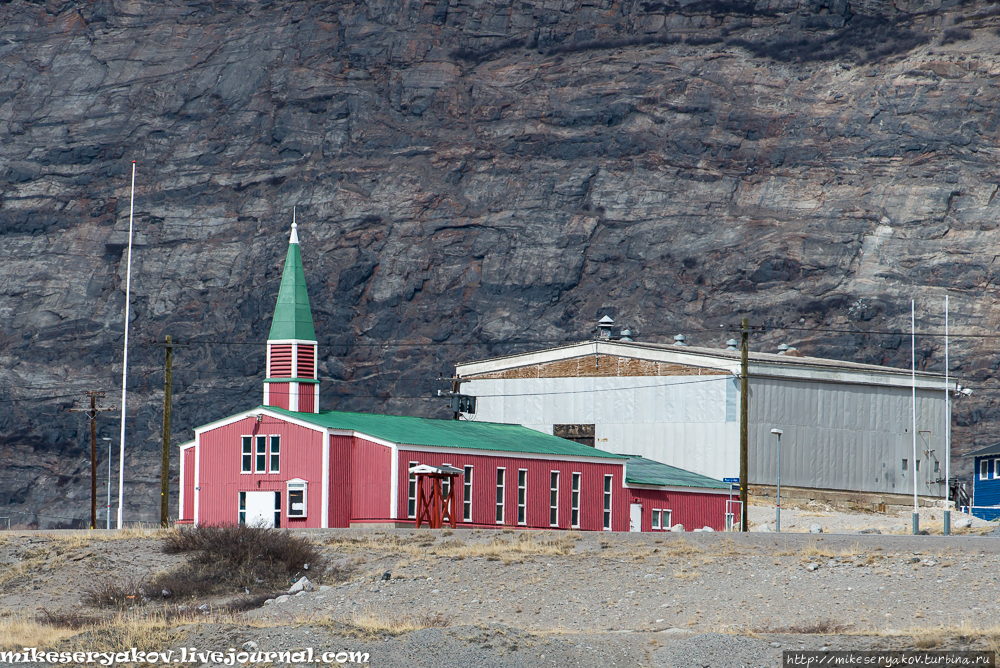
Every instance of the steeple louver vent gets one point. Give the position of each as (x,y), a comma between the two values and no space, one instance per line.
(281,361)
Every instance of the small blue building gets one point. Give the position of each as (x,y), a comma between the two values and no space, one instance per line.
(986,482)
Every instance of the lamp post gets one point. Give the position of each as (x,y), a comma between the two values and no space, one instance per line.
(777,510)
(105,438)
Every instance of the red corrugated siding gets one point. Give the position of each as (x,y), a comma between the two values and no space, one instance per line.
(340,481)
(187,512)
(371,478)
(306,362)
(306,397)
(277,395)
(537,506)
(692,510)
(221,480)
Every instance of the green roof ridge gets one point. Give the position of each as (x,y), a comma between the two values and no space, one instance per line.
(642,471)
(292,315)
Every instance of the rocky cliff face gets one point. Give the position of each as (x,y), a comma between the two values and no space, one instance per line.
(474,178)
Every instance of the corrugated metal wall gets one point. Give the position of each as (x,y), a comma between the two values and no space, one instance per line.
(371,476)
(306,397)
(846,437)
(837,435)
(538,482)
(692,510)
(340,481)
(221,480)
(277,395)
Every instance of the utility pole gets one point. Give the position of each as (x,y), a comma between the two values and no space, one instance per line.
(744,420)
(92,414)
(165,457)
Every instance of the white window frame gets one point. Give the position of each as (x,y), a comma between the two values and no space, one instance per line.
(273,453)
(246,440)
(984,469)
(554,492)
(411,492)
(522,496)
(241,508)
(996,468)
(656,520)
(607,515)
(574,515)
(668,515)
(467,495)
(501,498)
(297,485)
(445,484)
(259,452)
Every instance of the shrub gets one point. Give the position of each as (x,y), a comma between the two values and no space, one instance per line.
(952,35)
(224,558)
(114,592)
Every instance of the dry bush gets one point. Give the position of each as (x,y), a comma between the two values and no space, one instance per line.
(371,622)
(114,592)
(230,557)
(928,638)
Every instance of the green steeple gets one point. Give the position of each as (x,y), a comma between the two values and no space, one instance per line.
(292,316)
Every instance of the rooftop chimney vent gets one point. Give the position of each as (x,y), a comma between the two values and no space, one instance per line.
(626,336)
(783,348)
(731,345)
(679,340)
(604,326)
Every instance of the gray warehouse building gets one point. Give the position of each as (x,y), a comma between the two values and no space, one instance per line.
(847,426)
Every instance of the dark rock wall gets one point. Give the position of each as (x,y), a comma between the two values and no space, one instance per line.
(472,179)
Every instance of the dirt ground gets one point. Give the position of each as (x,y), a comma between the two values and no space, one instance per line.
(505,598)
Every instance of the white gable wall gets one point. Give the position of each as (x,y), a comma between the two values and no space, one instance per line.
(686,421)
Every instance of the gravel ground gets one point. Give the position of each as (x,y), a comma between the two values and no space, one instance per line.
(668,599)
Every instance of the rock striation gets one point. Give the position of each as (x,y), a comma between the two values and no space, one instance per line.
(474,178)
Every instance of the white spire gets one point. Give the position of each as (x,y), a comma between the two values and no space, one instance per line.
(295,234)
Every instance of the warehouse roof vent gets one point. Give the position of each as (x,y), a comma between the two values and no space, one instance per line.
(785,349)
(604,326)
(731,345)
(679,340)
(626,336)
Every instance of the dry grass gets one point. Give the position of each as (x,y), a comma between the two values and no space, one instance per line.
(507,547)
(818,627)
(371,623)
(815,550)
(687,575)
(84,537)
(18,631)
(928,638)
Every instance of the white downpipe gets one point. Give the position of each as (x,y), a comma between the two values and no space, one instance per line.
(128,291)
(913,377)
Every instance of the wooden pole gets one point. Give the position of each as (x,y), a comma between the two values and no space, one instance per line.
(165,459)
(744,420)
(93,460)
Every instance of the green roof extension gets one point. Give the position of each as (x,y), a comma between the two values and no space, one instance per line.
(292,315)
(641,471)
(450,433)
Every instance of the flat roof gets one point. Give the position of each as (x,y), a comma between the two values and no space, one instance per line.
(761,364)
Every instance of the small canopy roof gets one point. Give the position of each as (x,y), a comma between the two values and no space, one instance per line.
(988,450)
(439,470)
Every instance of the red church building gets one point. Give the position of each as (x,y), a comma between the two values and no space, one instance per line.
(286,464)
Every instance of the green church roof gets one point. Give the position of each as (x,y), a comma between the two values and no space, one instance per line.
(641,471)
(450,433)
(292,315)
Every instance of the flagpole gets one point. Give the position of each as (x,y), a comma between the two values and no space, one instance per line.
(947,428)
(128,290)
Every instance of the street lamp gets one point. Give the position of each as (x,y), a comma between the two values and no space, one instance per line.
(105,438)
(777,510)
